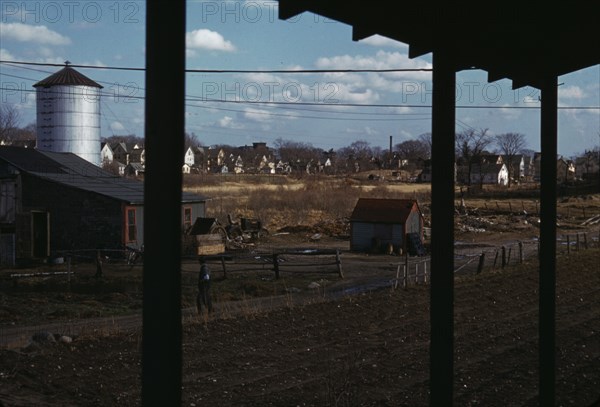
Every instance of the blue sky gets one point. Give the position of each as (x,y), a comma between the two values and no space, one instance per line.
(247,35)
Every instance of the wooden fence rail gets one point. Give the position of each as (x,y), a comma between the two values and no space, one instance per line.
(288,260)
(417,270)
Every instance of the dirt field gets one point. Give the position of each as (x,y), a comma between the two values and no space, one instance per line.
(368,349)
(345,342)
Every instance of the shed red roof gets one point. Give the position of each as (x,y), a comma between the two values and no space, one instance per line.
(383,210)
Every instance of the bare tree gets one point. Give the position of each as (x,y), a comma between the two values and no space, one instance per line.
(470,144)
(190,140)
(297,154)
(510,145)
(412,150)
(425,138)
(9,121)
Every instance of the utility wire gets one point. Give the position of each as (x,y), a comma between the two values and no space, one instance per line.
(306,71)
(274,103)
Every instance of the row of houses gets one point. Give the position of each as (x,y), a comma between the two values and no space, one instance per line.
(499,169)
(129,159)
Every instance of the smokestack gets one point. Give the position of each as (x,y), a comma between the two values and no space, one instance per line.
(391,155)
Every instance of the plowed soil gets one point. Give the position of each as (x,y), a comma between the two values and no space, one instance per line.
(369,349)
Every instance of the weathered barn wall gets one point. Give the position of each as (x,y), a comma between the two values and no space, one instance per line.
(77,219)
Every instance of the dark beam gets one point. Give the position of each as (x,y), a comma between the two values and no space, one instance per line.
(442,229)
(547,270)
(360,32)
(164,129)
(290,8)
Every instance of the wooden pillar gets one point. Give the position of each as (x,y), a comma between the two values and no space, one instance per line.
(164,116)
(547,284)
(441,369)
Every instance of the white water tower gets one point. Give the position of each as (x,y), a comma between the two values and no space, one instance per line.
(68,114)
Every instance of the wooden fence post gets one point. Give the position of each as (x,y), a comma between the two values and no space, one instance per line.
(224,268)
(508,258)
(276,265)
(397,277)
(405,277)
(481,262)
(338,261)
(503,256)
(416,273)
(537,212)
(520,252)
(425,274)
(509,206)
(585,240)
(577,244)
(495,258)
(568,244)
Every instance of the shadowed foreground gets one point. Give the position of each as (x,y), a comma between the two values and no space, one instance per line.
(370,349)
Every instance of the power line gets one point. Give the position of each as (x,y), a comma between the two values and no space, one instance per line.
(274,103)
(293,71)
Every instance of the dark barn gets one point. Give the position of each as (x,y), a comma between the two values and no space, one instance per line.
(377,223)
(51,202)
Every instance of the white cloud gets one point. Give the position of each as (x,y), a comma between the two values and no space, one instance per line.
(406,135)
(365,131)
(39,34)
(381,41)
(571,92)
(229,123)
(257,115)
(395,82)
(206,39)
(509,113)
(117,126)
(5,55)
(381,60)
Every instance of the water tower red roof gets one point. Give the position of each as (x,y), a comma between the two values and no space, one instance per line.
(67,76)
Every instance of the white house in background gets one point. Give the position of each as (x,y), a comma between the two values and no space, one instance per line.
(194,156)
(489,174)
(106,154)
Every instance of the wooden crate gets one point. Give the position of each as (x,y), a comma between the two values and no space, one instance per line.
(210,244)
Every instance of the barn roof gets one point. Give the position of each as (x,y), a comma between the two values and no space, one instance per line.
(508,39)
(67,76)
(383,210)
(73,171)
